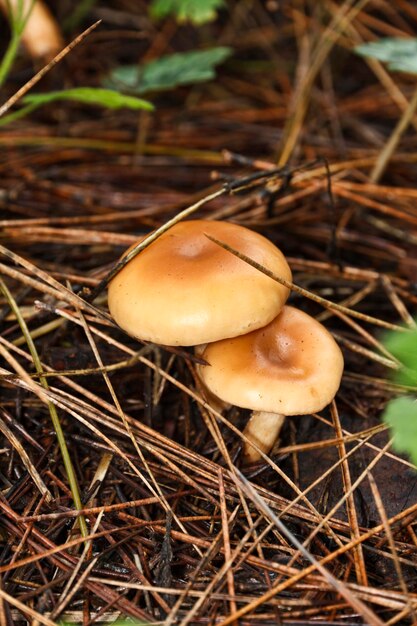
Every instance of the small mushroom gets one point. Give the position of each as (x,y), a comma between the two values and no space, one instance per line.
(184,290)
(292,366)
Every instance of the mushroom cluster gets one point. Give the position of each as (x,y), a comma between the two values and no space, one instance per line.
(185,290)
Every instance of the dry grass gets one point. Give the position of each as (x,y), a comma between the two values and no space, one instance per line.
(323,531)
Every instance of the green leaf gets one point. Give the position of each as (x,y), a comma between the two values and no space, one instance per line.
(403,346)
(195,11)
(89,95)
(401,416)
(182,68)
(400,53)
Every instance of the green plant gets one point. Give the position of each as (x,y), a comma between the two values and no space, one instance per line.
(18,19)
(401,413)
(400,54)
(160,74)
(87,95)
(401,416)
(194,11)
(168,72)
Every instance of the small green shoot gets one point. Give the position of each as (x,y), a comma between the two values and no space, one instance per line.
(195,11)
(401,413)
(90,95)
(399,53)
(168,72)
(17,19)
(106,98)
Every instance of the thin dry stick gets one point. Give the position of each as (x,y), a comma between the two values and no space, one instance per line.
(365,352)
(379,70)
(3,617)
(26,610)
(192,593)
(93,510)
(368,432)
(355,298)
(354,542)
(24,538)
(343,17)
(51,286)
(392,361)
(31,469)
(23,90)
(351,509)
(212,549)
(398,303)
(392,143)
(400,616)
(62,548)
(215,580)
(391,543)
(347,437)
(226,541)
(73,585)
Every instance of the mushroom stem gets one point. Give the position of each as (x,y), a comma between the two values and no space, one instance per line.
(263,429)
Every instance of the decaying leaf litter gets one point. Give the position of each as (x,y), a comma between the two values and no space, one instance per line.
(175,529)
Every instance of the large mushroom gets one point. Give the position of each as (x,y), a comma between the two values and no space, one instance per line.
(292,366)
(184,290)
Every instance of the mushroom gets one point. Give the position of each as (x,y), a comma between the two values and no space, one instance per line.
(292,366)
(184,290)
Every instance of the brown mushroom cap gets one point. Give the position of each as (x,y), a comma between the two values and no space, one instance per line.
(183,289)
(292,366)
